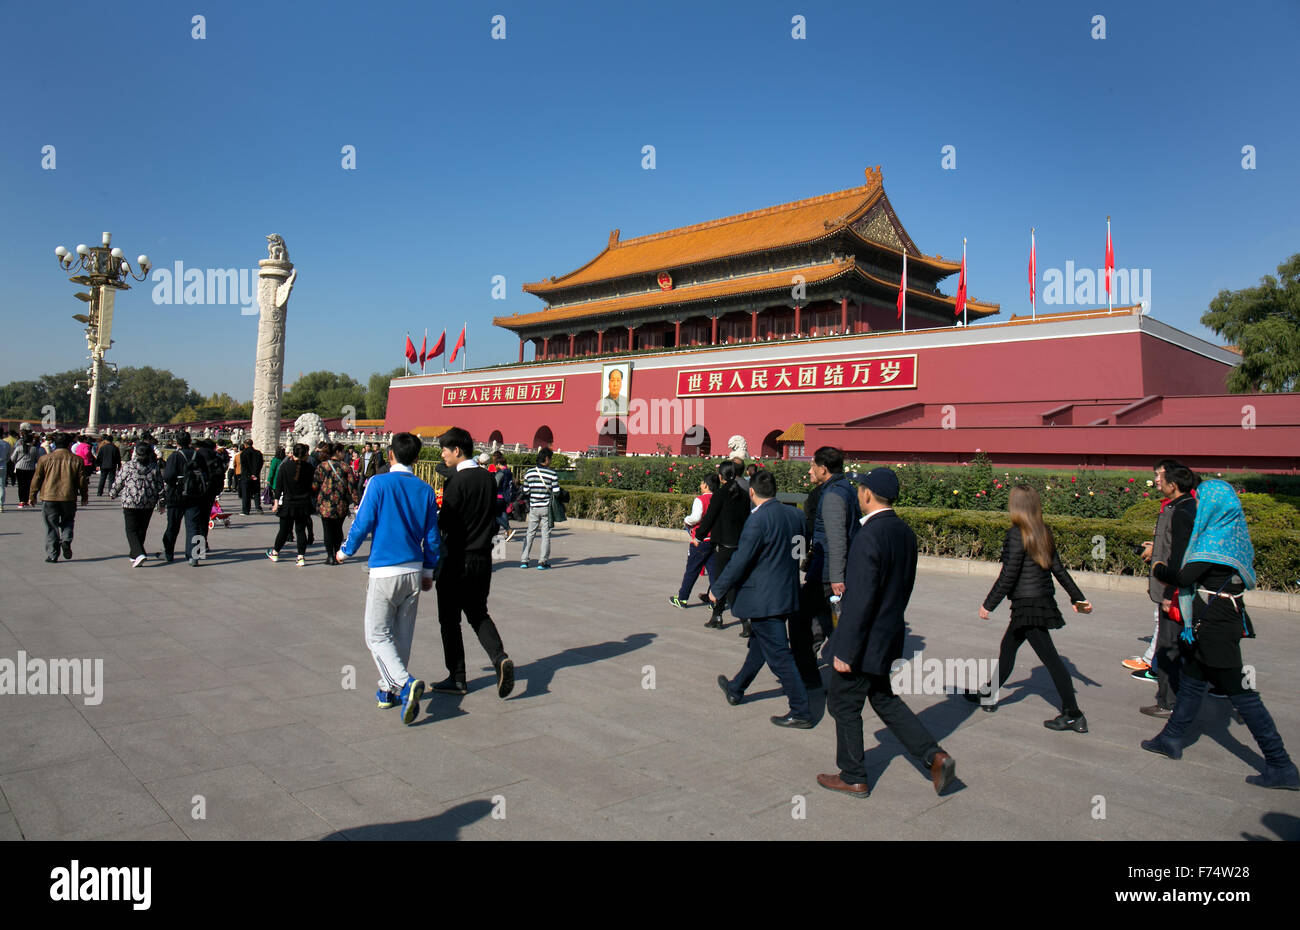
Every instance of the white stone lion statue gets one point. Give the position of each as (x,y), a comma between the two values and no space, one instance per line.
(309,429)
(737,446)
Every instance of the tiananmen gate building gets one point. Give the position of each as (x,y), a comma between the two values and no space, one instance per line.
(780,325)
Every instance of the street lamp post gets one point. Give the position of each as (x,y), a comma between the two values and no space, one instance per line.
(103,270)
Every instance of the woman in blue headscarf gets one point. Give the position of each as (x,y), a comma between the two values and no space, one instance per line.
(1216,569)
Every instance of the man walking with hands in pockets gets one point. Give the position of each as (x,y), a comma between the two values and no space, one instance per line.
(402,512)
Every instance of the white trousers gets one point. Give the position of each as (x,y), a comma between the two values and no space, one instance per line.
(390,626)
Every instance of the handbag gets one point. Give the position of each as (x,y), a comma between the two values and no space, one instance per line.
(557,511)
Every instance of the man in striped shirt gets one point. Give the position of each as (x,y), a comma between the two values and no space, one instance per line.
(540,484)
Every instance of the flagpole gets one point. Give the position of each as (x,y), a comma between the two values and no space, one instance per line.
(444,350)
(967,300)
(404,355)
(423,346)
(904,290)
(1033,274)
(465,348)
(1110,288)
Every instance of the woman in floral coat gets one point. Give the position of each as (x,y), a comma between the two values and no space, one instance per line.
(335,485)
(140,485)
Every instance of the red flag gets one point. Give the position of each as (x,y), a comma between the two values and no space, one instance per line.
(442,344)
(410,349)
(902,288)
(423,355)
(961,286)
(1033,270)
(1110,256)
(460,344)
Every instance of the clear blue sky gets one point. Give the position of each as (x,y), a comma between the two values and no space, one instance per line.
(478,157)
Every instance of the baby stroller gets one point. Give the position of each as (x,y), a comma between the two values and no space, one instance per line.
(218,514)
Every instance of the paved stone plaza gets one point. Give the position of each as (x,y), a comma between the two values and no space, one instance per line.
(224,682)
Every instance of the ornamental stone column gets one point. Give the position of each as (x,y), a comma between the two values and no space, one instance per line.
(275,279)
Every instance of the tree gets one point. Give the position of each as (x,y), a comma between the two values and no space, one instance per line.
(20,400)
(1264,324)
(377,393)
(324,393)
(146,395)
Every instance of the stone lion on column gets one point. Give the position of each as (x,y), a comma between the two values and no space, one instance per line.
(737,446)
(309,429)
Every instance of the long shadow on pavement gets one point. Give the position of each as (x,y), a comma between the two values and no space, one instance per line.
(1286,826)
(562,562)
(444,826)
(540,672)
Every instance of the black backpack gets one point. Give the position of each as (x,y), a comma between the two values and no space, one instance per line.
(194,479)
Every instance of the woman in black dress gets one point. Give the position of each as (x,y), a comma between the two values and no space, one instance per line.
(294,479)
(1029,561)
(1217,568)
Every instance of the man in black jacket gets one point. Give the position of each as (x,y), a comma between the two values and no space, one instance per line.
(173,475)
(250,470)
(198,511)
(467,522)
(869,638)
(725,518)
(108,457)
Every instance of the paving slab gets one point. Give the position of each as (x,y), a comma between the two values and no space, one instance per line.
(80,800)
(237,803)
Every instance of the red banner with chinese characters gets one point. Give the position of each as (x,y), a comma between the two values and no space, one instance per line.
(541,391)
(841,374)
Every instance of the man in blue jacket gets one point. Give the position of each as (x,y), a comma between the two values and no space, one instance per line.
(869,638)
(402,512)
(765,573)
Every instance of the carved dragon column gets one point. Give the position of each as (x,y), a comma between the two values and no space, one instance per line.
(274,282)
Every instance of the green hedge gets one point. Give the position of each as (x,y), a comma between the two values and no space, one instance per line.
(975,486)
(1086,543)
(1263,512)
(638,508)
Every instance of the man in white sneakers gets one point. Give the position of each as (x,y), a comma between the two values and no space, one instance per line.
(402,513)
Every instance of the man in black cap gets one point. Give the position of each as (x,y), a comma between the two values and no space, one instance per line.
(869,639)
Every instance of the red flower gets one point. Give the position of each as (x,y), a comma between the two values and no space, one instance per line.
(1073,480)
(1131,480)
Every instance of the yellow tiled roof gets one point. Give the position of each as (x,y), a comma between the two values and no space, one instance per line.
(774,281)
(429,432)
(749,284)
(758,230)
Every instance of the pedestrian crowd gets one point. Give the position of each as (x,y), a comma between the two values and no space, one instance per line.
(822,600)
(821,595)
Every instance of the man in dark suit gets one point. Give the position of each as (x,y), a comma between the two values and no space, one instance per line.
(467,521)
(869,639)
(250,469)
(765,575)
